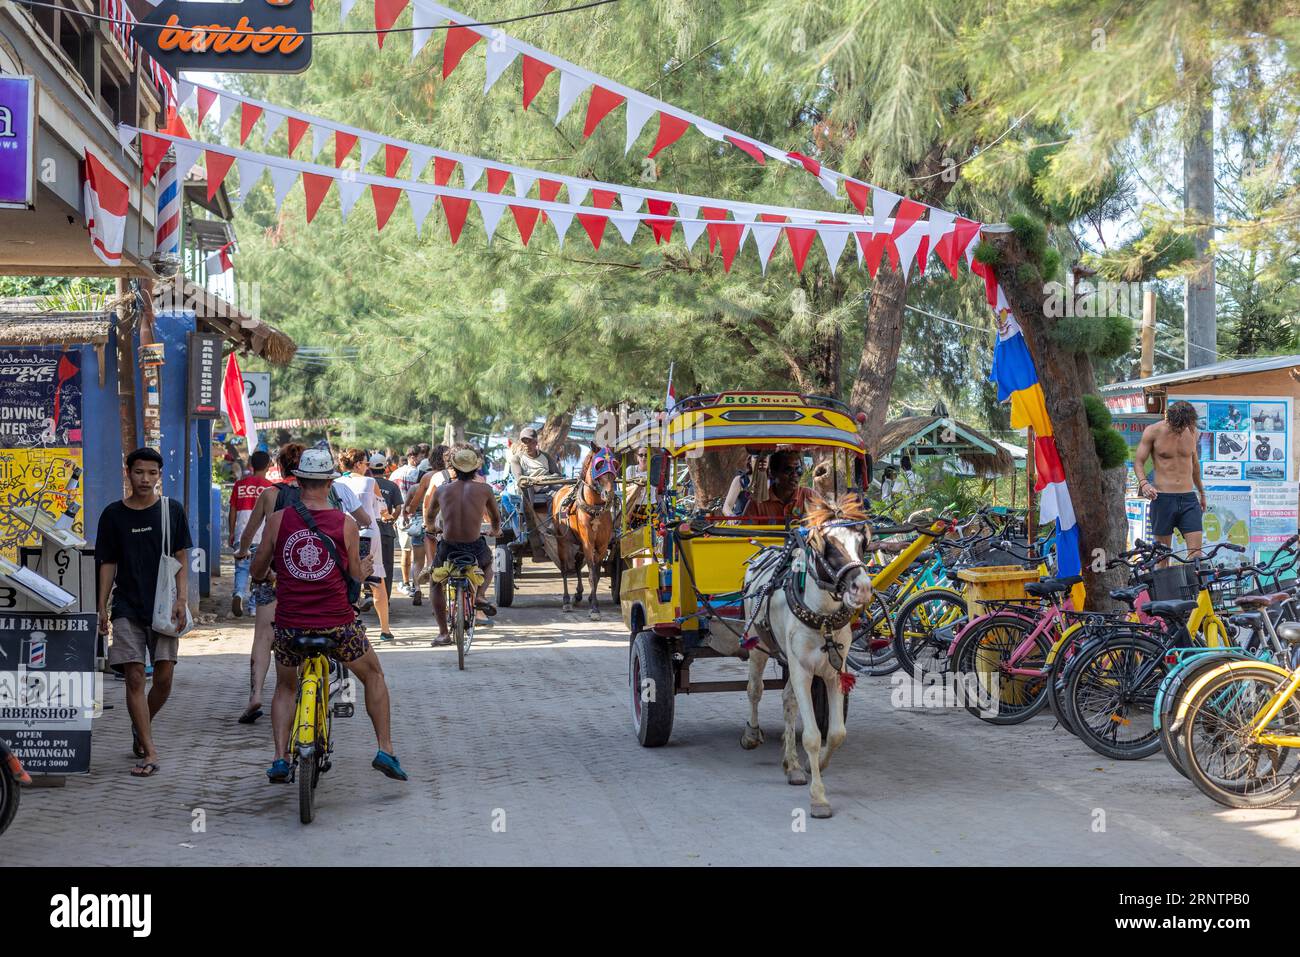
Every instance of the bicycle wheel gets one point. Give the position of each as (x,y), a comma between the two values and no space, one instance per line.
(871,650)
(1111,695)
(1058,676)
(1174,688)
(982,661)
(470,617)
(10,792)
(1222,760)
(458,623)
(308,763)
(923,630)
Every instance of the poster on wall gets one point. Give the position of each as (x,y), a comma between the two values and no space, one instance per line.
(1136,509)
(1247,438)
(40,398)
(37,477)
(48,690)
(1274,517)
(1226,519)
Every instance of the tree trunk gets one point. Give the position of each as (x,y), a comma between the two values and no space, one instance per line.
(126,374)
(712,473)
(1065,377)
(554,434)
(1199,325)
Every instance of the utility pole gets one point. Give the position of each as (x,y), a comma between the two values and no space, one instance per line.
(1199,326)
(1148,363)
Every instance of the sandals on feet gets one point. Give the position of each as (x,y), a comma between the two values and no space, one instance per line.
(146,769)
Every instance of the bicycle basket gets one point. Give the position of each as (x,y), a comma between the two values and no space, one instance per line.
(1176,583)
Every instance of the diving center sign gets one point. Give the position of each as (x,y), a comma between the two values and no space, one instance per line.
(250,36)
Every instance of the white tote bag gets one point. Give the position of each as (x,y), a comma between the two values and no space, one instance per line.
(164,596)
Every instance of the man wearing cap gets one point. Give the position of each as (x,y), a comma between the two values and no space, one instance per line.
(462,505)
(527,460)
(311,598)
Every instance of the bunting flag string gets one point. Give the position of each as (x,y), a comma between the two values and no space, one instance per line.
(799,229)
(607,95)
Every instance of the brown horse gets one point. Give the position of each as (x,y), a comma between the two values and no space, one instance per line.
(583,516)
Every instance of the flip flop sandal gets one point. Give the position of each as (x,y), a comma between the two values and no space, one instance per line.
(137,749)
(248,717)
(487,608)
(146,770)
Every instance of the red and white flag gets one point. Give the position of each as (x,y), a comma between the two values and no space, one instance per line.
(670,401)
(219,262)
(234,403)
(107,200)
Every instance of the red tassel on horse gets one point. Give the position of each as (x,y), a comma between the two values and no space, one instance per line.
(847,680)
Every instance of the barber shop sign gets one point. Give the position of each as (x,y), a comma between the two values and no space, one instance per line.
(17,142)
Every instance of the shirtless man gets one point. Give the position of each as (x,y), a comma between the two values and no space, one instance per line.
(1174,504)
(462,505)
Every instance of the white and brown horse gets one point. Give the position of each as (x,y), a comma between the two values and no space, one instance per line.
(583,516)
(799,602)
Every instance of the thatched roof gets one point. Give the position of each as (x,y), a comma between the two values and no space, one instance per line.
(922,435)
(252,334)
(54,329)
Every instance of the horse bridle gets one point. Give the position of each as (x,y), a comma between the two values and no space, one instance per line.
(592,510)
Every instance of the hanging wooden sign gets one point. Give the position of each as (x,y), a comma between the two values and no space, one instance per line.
(251,36)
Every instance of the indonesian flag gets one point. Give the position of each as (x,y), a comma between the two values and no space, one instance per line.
(234,403)
(670,400)
(107,200)
(219,262)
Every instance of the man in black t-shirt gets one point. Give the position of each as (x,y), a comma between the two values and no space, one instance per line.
(128,547)
(392,509)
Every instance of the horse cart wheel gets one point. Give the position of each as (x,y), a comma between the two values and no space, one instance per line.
(652,689)
(504,575)
(822,706)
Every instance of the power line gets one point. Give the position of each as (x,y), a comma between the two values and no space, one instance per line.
(215,31)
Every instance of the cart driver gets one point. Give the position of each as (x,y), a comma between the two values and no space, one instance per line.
(786,497)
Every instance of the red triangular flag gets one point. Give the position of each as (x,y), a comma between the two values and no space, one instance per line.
(152,150)
(773,218)
(595,227)
(873,250)
(749,148)
(315,186)
(385,198)
(712,212)
(248,116)
(525,219)
(659,207)
(297,129)
(598,107)
(343,143)
(859,193)
(386,14)
(456,210)
(922,251)
(671,129)
(535,74)
(217,165)
(206,99)
(174,125)
(496,179)
(442,170)
(393,157)
(728,237)
(908,212)
(800,242)
(548,189)
(459,40)
(810,164)
(953,243)
(662,229)
(604,198)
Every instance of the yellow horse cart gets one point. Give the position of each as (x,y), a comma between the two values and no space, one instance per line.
(682,561)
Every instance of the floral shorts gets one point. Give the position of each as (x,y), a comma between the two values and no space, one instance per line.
(351,642)
(260,593)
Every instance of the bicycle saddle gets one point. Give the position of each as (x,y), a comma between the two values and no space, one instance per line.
(1289,631)
(1051,586)
(1262,601)
(312,644)
(1246,619)
(1170,609)
(1128,595)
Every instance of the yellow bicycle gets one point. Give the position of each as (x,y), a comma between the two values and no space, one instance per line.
(310,742)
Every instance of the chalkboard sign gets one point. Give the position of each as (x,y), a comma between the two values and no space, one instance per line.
(40,398)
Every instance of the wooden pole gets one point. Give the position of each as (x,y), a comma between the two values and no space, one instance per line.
(1031,473)
(1148,361)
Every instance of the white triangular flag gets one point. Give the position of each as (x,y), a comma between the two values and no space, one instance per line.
(282,180)
(638,114)
(692,231)
(271,121)
(833,241)
(423,20)
(577,194)
(497,60)
(858,245)
(560,219)
(626,226)
(882,207)
(491,213)
(185,91)
(226,106)
(319,137)
(349,192)
(472,173)
(186,156)
(765,237)
(368,150)
(687,211)
(250,171)
(347,8)
(419,159)
(908,243)
(523,183)
(829,183)
(941,223)
(712,132)
(421,203)
(571,87)
(630,202)
(125,135)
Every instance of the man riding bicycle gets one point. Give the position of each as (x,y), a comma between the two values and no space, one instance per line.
(462,505)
